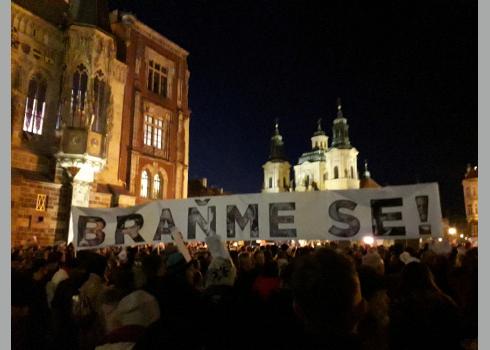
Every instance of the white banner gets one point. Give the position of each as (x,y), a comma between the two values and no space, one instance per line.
(398,212)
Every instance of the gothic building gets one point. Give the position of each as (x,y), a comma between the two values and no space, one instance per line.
(100,114)
(321,168)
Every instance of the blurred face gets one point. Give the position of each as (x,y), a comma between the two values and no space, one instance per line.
(131,229)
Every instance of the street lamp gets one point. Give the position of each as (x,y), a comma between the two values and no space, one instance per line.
(452,231)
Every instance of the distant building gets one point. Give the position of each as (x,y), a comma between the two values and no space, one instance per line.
(470,190)
(199,188)
(100,114)
(321,168)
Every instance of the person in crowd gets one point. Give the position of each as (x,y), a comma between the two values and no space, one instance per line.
(87,309)
(328,300)
(267,281)
(422,308)
(373,328)
(220,304)
(127,318)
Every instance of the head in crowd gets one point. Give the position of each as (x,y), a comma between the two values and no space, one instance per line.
(39,269)
(245,262)
(327,292)
(374,260)
(96,264)
(138,308)
(417,277)
(259,258)
(221,272)
(374,290)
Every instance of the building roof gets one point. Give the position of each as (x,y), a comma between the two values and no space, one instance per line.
(53,11)
(313,156)
(91,12)
(367,182)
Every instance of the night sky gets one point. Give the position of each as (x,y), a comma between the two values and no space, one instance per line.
(406,73)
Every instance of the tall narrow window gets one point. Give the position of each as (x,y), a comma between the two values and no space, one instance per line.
(336,172)
(284,184)
(270,182)
(35,106)
(153,132)
(99,123)
(148,130)
(157,186)
(352,172)
(78,96)
(145,184)
(157,134)
(157,78)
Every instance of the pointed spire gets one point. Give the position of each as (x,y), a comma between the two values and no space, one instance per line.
(367,174)
(340,115)
(276,126)
(340,129)
(319,129)
(277,145)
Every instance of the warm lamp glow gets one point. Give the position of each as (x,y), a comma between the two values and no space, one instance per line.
(368,240)
(452,231)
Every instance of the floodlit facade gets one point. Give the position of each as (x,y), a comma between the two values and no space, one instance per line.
(100,114)
(322,168)
(470,190)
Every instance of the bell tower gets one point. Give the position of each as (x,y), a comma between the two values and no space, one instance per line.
(277,168)
(342,156)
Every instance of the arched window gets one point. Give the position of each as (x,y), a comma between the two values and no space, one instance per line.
(99,123)
(336,172)
(145,184)
(157,186)
(35,106)
(78,96)
(352,172)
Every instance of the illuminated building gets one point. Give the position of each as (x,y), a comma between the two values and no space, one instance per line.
(100,114)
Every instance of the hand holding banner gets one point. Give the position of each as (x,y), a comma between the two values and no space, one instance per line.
(179,242)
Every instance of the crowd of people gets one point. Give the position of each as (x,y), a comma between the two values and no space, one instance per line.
(259,297)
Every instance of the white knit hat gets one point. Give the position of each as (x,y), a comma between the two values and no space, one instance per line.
(138,309)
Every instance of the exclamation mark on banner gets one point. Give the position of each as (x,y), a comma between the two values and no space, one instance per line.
(423,209)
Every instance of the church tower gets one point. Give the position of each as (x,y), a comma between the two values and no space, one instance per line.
(311,171)
(277,168)
(341,157)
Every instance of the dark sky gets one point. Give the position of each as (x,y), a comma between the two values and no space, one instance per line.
(406,72)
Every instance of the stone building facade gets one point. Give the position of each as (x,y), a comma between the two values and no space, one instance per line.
(322,168)
(99,115)
(470,191)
